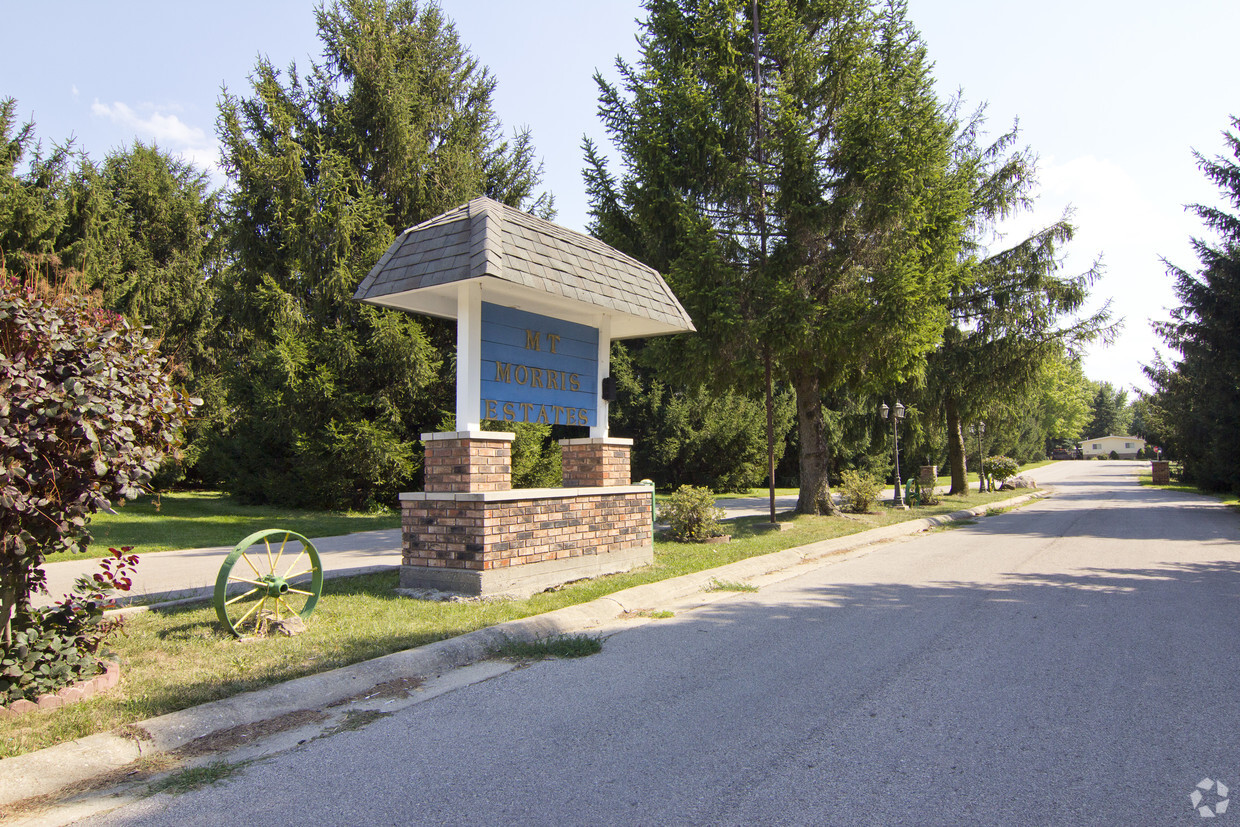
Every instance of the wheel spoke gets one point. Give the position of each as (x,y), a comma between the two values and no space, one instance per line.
(256,607)
(239,597)
(280,554)
(263,596)
(295,561)
(250,563)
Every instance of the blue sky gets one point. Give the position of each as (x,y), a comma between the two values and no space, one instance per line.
(1111,95)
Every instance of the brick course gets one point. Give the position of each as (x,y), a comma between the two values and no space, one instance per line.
(67,695)
(483,536)
(587,463)
(469,463)
(1161,472)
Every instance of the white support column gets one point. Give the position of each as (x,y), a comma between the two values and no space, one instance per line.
(469,356)
(604,369)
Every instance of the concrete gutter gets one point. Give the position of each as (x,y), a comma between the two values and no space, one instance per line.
(55,768)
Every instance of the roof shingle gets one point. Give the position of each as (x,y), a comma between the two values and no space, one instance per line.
(485,238)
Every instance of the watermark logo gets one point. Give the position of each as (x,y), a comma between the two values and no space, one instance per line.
(1209,798)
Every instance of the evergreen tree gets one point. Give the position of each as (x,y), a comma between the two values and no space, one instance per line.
(790,177)
(166,261)
(393,127)
(1196,405)
(1011,310)
(56,224)
(692,435)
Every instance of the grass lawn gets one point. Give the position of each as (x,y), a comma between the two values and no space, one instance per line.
(1228,499)
(180,657)
(944,479)
(201,519)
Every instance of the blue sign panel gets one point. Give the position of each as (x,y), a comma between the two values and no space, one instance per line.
(537,369)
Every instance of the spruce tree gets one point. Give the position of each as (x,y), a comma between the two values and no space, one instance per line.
(802,210)
(392,127)
(1012,311)
(1196,404)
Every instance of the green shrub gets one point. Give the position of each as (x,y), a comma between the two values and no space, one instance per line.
(999,468)
(859,491)
(692,514)
(59,645)
(1114,455)
(926,494)
(87,415)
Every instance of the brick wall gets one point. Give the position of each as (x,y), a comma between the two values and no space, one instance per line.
(474,461)
(481,535)
(595,462)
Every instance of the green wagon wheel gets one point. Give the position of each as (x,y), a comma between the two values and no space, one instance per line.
(272,574)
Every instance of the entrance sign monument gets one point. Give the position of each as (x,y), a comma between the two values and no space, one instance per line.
(536,308)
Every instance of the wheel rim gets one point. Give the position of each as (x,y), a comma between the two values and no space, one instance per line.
(271,575)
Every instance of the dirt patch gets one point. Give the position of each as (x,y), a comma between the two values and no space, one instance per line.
(355,719)
(225,739)
(395,688)
(134,733)
(133,773)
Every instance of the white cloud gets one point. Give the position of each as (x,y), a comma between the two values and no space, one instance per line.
(171,133)
(75,90)
(1131,228)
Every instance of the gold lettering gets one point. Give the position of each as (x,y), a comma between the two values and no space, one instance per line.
(536,377)
(531,340)
(553,380)
(503,372)
(510,412)
(583,417)
(490,406)
(554,338)
(574,383)
(525,411)
(559,409)
(542,414)
(572,417)
(522,374)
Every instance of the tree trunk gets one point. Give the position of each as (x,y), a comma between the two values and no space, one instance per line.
(955,450)
(815,495)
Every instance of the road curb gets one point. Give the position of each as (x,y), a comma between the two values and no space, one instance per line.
(76,762)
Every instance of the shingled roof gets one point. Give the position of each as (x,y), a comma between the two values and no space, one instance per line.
(524,262)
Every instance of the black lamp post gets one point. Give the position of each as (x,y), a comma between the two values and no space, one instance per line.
(895,417)
(981,458)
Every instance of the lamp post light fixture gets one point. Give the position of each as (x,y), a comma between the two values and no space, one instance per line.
(895,416)
(981,457)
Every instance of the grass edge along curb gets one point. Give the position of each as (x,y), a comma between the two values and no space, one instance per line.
(48,770)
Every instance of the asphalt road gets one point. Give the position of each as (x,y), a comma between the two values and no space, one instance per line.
(1072,662)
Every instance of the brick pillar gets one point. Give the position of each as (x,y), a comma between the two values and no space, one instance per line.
(595,462)
(929,477)
(1162,472)
(464,461)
